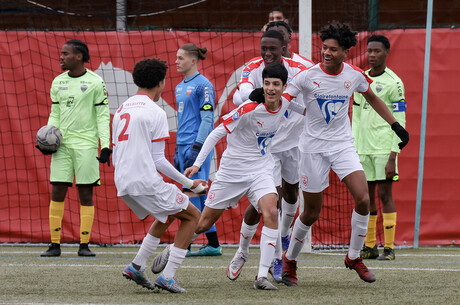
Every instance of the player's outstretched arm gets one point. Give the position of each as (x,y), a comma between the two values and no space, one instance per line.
(381,108)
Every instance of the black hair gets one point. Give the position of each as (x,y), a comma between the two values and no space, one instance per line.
(272,70)
(273,34)
(280,23)
(149,72)
(278,9)
(380,38)
(79,47)
(195,51)
(275,70)
(340,32)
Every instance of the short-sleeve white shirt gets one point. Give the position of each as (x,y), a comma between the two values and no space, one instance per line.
(251,128)
(138,122)
(327,97)
(251,78)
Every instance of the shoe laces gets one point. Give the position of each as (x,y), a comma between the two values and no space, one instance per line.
(360,265)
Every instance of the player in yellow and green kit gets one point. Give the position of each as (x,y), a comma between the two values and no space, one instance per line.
(377,145)
(80,110)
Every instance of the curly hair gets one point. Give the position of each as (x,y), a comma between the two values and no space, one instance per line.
(340,32)
(149,72)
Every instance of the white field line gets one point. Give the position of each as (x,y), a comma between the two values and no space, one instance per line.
(223,267)
(232,253)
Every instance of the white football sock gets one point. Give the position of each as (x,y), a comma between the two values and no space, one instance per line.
(358,234)
(298,236)
(267,250)
(149,245)
(246,234)
(278,249)
(287,216)
(176,257)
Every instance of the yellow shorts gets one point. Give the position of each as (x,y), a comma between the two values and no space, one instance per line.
(81,163)
(374,167)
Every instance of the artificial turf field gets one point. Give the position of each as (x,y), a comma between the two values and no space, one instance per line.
(427,275)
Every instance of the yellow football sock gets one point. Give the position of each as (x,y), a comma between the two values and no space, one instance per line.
(371,237)
(56,213)
(86,223)
(389,229)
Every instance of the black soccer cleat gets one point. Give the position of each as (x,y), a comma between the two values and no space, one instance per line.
(53,250)
(85,251)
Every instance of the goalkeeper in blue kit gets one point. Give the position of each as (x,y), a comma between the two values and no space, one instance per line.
(195,113)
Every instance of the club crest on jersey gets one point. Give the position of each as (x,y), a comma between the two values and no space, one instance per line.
(378,88)
(189,90)
(180,198)
(83,88)
(263,140)
(347,84)
(329,108)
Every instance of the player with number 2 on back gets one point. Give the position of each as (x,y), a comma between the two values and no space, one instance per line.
(140,128)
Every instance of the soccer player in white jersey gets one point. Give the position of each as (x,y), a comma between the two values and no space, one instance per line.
(326,143)
(246,167)
(140,128)
(284,150)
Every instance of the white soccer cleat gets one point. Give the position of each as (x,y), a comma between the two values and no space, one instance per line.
(264,284)
(160,261)
(235,266)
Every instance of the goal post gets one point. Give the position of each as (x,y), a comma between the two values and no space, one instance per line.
(305,38)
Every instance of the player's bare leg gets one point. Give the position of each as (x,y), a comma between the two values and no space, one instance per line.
(357,184)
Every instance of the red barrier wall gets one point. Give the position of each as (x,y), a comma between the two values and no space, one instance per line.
(29,62)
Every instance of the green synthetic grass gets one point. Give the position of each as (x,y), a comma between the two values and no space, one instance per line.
(417,276)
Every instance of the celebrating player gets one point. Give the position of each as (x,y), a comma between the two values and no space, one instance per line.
(377,145)
(326,143)
(80,110)
(195,115)
(140,128)
(246,167)
(284,149)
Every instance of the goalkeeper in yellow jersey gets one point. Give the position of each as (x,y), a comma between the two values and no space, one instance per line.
(377,145)
(80,110)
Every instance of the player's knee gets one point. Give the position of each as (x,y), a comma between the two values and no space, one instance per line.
(251,216)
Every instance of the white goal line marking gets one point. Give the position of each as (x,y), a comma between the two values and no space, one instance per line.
(156,252)
(224,267)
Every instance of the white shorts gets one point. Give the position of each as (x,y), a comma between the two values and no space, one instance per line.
(224,194)
(315,168)
(167,200)
(286,166)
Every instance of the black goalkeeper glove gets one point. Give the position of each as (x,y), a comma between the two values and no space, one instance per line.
(257,95)
(401,133)
(105,156)
(45,152)
(192,153)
